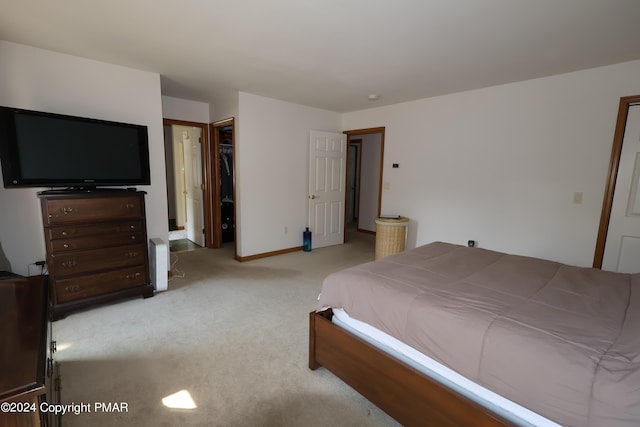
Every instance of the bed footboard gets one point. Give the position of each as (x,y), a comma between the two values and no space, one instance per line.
(407,395)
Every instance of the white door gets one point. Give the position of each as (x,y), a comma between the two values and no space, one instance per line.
(327,169)
(622,248)
(193,185)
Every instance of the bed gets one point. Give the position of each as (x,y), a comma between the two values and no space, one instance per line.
(557,341)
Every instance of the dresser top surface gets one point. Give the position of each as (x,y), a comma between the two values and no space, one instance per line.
(99,192)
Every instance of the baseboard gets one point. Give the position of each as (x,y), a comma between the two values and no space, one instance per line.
(362,230)
(268,254)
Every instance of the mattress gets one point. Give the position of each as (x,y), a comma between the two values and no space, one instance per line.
(511,411)
(559,340)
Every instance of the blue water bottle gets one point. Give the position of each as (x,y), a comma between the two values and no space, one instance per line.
(306,240)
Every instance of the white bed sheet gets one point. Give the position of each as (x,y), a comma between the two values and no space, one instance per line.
(506,408)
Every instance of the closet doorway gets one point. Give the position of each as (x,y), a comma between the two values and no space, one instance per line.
(223,208)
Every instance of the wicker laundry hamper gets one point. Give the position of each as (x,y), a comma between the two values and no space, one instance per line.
(391,235)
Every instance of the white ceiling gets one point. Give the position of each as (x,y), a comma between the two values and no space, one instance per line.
(332,54)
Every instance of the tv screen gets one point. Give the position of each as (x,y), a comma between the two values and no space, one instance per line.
(39,149)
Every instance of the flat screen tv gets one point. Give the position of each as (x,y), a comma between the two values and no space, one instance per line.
(39,149)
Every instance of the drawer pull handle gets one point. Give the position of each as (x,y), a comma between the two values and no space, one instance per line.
(129,205)
(66,246)
(67,211)
(73,288)
(133,276)
(131,254)
(132,227)
(70,264)
(133,237)
(64,233)
(54,346)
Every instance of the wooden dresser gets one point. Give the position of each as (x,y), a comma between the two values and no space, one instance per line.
(96,247)
(29,383)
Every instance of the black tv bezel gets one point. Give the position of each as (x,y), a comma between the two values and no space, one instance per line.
(10,158)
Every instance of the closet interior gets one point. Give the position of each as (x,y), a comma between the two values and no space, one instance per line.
(225,151)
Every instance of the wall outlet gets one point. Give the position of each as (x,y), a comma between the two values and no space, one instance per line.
(286,230)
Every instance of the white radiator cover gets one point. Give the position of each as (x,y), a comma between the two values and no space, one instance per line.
(158,264)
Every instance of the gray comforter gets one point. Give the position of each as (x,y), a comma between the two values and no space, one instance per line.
(562,341)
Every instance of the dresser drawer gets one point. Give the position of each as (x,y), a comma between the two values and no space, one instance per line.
(72,263)
(96,242)
(87,286)
(99,229)
(91,209)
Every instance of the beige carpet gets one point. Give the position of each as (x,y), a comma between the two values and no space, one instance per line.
(233,335)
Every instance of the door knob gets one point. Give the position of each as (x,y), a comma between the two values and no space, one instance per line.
(313,196)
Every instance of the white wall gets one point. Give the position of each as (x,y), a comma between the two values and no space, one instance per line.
(500,165)
(43,80)
(225,107)
(170,174)
(184,109)
(272,161)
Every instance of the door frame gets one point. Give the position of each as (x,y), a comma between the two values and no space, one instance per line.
(207,180)
(355,132)
(612,176)
(215,206)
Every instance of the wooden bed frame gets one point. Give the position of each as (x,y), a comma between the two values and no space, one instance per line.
(406,394)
